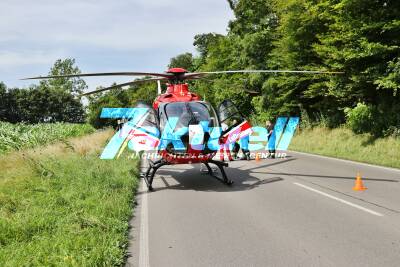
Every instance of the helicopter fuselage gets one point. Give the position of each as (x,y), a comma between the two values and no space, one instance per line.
(191,113)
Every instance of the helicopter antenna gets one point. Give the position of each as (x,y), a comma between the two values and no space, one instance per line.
(159,87)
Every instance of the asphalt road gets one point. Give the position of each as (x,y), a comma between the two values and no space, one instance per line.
(298,211)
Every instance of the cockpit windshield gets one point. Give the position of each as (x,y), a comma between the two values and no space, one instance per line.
(188,113)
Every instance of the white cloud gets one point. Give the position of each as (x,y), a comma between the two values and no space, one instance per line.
(96,32)
(123,25)
(10,59)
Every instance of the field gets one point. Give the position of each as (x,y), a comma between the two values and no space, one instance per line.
(19,136)
(343,143)
(60,205)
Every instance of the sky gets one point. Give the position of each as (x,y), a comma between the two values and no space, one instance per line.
(102,35)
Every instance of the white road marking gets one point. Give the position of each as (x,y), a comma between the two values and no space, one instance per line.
(347,161)
(144,229)
(340,200)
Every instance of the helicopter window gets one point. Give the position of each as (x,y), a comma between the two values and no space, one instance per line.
(188,113)
(229,114)
(148,121)
(177,110)
(200,111)
(212,118)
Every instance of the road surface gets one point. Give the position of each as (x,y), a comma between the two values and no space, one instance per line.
(297,211)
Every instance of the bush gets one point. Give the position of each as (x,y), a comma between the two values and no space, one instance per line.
(381,120)
(361,119)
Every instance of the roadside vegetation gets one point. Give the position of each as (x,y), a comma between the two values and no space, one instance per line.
(343,143)
(18,136)
(60,205)
(353,140)
(358,38)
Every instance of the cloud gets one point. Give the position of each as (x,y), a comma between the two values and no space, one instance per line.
(10,59)
(125,25)
(102,34)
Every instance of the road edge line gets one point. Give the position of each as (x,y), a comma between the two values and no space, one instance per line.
(339,199)
(144,229)
(346,160)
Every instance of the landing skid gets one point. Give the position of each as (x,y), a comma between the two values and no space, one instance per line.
(151,171)
(220,165)
(148,176)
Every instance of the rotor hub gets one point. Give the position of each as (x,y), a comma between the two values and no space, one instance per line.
(178,75)
(176,70)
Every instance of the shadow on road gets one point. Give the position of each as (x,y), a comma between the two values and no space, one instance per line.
(192,178)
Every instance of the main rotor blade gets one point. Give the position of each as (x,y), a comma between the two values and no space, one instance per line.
(193,75)
(164,75)
(123,84)
(263,71)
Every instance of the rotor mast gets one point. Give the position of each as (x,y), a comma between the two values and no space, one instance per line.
(177,83)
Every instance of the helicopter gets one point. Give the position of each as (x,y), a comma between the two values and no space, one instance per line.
(183,128)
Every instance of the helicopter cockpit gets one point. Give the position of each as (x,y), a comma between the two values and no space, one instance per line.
(184,126)
(185,118)
(187,113)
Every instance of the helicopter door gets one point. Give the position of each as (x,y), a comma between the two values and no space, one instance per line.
(145,131)
(234,125)
(229,114)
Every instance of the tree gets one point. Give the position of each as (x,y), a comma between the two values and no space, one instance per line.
(182,61)
(358,37)
(253,16)
(4,102)
(63,101)
(50,101)
(204,41)
(110,99)
(232,3)
(361,39)
(145,92)
(293,49)
(67,66)
(247,46)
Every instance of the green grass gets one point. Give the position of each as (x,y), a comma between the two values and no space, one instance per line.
(18,136)
(343,143)
(63,206)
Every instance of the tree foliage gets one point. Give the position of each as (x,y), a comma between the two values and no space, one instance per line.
(67,66)
(50,101)
(128,98)
(358,37)
(182,61)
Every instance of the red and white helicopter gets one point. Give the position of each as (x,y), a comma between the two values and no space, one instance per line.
(179,102)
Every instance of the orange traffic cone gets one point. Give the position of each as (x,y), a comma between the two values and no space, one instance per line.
(358,186)
(257,157)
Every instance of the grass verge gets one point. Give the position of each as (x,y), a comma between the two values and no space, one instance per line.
(343,143)
(63,206)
